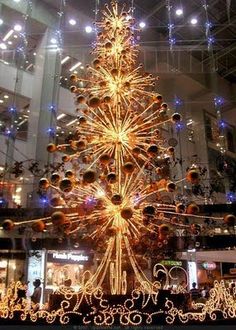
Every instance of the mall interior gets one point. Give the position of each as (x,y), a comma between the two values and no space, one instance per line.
(191,46)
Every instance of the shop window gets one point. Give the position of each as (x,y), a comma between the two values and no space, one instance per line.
(230,141)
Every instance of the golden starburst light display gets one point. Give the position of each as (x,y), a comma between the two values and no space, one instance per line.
(122,164)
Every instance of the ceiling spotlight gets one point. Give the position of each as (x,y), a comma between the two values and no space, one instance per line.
(3,46)
(88,29)
(1,101)
(72,21)
(1,21)
(6,96)
(193,21)
(34,54)
(142,25)
(9,42)
(15,36)
(18,27)
(179,12)
(53,41)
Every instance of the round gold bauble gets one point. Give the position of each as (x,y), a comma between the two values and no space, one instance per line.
(38,226)
(149,210)
(81,99)
(69,174)
(192,208)
(73,77)
(66,185)
(44,183)
(230,220)
(94,102)
(89,176)
(116,199)
(126,213)
(111,177)
(170,187)
(8,225)
(180,208)
(58,218)
(176,117)
(56,201)
(51,147)
(104,159)
(128,167)
(193,176)
(152,150)
(55,178)
(73,89)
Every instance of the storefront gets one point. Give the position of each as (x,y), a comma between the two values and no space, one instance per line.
(54,267)
(12,268)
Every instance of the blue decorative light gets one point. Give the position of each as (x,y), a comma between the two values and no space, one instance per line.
(52,107)
(218,101)
(179,126)
(222,124)
(178,102)
(231,197)
(172,41)
(170,26)
(90,200)
(210,40)
(51,131)
(208,25)
(12,109)
(8,132)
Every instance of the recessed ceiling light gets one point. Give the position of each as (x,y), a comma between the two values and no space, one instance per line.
(7,35)
(72,21)
(6,96)
(1,101)
(65,59)
(1,21)
(62,115)
(88,29)
(142,25)
(15,36)
(18,27)
(9,42)
(71,122)
(34,54)
(193,21)
(53,41)
(3,46)
(179,11)
(75,66)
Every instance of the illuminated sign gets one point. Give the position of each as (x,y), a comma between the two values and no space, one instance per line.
(171,263)
(209,265)
(68,257)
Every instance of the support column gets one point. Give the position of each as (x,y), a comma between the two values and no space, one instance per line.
(42,119)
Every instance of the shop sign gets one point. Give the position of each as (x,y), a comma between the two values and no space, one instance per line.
(232,271)
(171,263)
(68,257)
(209,265)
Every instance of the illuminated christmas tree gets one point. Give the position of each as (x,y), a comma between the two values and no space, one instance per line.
(123,162)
